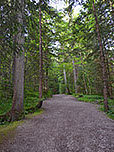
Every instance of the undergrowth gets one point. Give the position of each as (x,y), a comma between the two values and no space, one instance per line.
(31,100)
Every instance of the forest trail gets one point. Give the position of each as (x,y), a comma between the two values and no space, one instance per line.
(65,126)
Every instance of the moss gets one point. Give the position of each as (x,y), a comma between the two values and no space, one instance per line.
(8,130)
(28,116)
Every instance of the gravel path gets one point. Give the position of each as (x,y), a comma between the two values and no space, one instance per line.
(65,126)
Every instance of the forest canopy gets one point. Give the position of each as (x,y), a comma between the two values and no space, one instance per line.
(46,51)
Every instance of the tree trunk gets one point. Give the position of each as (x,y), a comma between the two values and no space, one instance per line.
(75,76)
(41,59)
(46,69)
(105,91)
(46,81)
(14,55)
(89,86)
(17,109)
(86,90)
(65,79)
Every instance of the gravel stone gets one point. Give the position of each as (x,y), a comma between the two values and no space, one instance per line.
(66,125)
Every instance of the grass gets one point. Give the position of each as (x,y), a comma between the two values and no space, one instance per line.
(98,100)
(8,130)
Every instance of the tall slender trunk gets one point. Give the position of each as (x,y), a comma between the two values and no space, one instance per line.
(65,79)
(40,58)
(86,90)
(75,76)
(46,69)
(89,86)
(13,65)
(105,91)
(17,109)
(46,81)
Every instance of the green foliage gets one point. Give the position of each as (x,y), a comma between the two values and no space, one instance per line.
(110,113)
(91,98)
(5,105)
(31,100)
(77,95)
(63,41)
(47,94)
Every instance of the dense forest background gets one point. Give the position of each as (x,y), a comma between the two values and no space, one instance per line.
(44,51)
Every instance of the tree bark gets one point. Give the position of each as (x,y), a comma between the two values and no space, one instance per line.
(46,79)
(14,55)
(75,76)
(46,69)
(86,90)
(89,86)
(65,79)
(17,109)
(104,72)
(41,58)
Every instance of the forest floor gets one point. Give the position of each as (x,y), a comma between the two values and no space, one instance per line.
(66,125)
